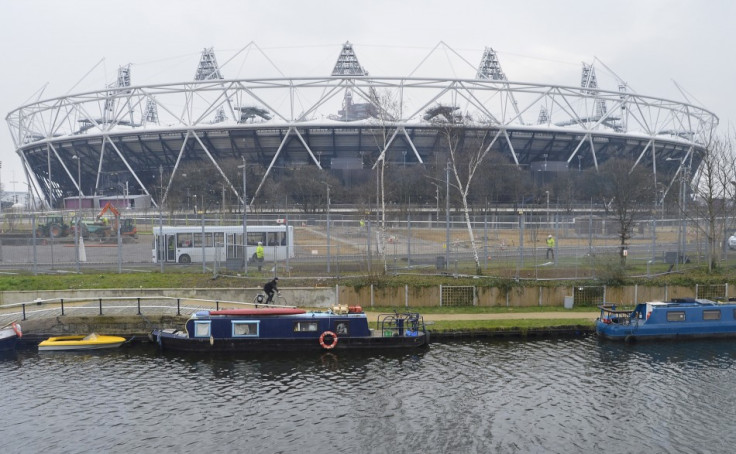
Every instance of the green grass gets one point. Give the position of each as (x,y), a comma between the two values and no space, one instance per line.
(113,280)
(480,325)
(496,325)
(481,309)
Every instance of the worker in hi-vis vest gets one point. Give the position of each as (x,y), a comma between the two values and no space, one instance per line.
(550,247)
(260,255)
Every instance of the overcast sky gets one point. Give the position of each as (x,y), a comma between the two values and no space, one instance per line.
(648,43)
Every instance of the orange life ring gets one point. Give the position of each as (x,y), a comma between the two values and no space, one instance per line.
(329,346)
(18,331)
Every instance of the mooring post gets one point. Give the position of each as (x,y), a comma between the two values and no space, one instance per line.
(178,308)
(62,306)
(100,306)
(139,305)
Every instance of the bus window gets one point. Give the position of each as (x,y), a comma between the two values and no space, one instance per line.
(219,239)
(185,240)
(255,237)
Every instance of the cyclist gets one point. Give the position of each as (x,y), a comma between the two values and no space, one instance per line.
(270,288)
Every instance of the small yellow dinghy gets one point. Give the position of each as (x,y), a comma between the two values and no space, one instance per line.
(90,342)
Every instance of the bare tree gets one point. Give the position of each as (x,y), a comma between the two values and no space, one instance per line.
(386,113)
(626,192)
(467,147)
(712,189)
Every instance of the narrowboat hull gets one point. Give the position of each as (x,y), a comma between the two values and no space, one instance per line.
(291,329)
(679,319)
(9,337)
(169,340)
(630,335)
(8,343)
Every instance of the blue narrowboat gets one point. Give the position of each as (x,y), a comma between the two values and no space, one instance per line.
(291,329)
(684,318)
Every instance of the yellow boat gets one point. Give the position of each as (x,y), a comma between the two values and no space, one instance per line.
(90,342)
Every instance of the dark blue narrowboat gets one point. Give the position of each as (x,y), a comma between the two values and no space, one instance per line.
(292,329)
(9,336)
(685,318)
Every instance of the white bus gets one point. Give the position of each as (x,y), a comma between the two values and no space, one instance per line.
(220,243)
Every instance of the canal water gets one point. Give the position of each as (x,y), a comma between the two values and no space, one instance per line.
(553,396)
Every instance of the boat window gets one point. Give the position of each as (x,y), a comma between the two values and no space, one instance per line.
(342,328)
(676,316)
(245,329)
(712,315)
(300,327)
(201,329)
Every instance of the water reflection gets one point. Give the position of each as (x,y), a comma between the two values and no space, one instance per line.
(466,396)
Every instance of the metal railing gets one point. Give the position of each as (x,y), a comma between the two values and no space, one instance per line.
(137,305)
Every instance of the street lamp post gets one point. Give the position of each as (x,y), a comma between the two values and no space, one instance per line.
(163,255)
(328,228)
(447,215)
(245,223)
(79,209)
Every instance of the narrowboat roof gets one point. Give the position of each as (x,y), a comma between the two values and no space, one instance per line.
(265,311)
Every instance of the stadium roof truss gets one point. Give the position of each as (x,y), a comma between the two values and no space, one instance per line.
(135,132)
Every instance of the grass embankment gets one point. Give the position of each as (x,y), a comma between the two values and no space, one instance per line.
(511,324)
(469,319)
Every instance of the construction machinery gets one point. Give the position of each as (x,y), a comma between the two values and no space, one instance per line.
(52,227)
(127,226)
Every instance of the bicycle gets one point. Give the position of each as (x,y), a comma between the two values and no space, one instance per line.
(261,298)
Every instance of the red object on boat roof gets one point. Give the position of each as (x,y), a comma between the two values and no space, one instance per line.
(266,311)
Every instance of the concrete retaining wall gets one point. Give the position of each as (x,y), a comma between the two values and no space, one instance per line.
(368,296)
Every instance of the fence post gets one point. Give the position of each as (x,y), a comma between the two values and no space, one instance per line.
(35,253)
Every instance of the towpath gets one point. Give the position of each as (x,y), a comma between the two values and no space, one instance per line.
(506,316)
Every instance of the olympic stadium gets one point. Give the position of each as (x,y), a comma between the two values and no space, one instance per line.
(138,139)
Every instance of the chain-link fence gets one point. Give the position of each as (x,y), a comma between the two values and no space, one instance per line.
(334,244)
